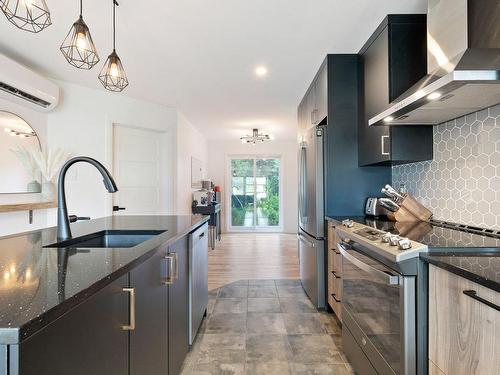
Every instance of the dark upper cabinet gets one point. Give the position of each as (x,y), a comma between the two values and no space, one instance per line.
(393,60)
(336,89)
(313,108)
(149,338)
(87,340)
(178,324)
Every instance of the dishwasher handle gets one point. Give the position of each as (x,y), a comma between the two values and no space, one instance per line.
(381,275)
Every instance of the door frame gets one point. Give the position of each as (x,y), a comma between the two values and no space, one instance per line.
(166,162)
(229,226)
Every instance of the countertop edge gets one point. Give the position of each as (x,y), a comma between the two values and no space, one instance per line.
(16,335)
(490,284)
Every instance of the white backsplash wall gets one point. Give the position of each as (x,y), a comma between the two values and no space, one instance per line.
(462,183)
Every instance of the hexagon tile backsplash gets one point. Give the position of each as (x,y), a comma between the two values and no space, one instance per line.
(462,183)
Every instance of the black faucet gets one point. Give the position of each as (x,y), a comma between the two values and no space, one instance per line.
(63,229)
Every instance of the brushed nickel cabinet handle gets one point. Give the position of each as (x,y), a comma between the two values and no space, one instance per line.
(131,325)
(382,138)
(473,294)
(173,269)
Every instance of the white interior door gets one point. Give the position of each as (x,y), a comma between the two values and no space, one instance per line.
(141,171)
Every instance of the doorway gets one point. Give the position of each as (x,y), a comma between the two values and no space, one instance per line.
(141,169)
(255,194)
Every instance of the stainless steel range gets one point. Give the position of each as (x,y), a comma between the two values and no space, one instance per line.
(379,299)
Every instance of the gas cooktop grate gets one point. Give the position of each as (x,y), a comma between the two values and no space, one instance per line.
(466,228)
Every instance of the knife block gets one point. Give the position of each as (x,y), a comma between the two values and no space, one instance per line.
(410,210)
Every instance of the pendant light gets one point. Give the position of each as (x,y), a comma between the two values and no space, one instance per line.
(112,74)
(78,47)
(28,15)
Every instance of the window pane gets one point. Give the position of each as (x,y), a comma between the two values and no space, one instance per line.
(268,189)
(242,186)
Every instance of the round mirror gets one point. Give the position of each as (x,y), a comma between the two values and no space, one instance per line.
(18,174)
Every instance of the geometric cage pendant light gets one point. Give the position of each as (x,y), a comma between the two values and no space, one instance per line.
(28,15)
(112,74)
(78,47)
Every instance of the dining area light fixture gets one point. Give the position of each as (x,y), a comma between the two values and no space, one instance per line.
(112,74)
(78,47)
(27,15)
(255,138)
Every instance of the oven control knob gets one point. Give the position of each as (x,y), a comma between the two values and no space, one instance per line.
(394,240)
(404,244)
(386,238)
(348,223)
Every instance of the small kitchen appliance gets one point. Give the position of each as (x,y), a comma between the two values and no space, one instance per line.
(374,208)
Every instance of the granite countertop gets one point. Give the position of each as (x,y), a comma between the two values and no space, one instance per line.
(483,268)
(31,295)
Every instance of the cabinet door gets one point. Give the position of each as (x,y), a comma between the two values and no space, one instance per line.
(178,326)
(374,145)
(321,94)
(464,333)
(149,338)
(311,106)
(87,340)
(302,118)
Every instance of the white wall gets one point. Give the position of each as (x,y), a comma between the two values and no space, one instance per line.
(82,124)
(190,143)
(217,171)
(14,222)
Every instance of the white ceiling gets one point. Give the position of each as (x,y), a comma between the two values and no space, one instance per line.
(200,55)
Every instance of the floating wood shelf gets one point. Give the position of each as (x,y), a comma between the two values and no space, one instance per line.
(28,206)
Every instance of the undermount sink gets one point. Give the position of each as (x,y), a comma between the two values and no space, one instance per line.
(109,239)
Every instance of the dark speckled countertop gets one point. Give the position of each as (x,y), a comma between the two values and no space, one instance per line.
(483,269)
(30,275)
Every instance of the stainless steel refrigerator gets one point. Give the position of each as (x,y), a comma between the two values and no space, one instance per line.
(311,216)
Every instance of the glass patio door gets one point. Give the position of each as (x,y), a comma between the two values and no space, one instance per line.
(255,193)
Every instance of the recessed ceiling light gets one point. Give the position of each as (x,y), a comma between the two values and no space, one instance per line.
(261,71)
(434,96)
(388,119)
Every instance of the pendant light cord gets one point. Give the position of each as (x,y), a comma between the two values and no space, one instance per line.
(81,8)
(115,4)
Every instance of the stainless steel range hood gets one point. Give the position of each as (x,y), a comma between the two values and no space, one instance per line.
(463,61)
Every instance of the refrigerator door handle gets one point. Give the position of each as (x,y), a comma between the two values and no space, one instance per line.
(306,241)
(303,183)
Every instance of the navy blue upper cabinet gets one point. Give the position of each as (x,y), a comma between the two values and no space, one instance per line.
(393,59)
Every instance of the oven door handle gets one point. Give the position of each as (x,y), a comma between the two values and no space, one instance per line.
(381,275)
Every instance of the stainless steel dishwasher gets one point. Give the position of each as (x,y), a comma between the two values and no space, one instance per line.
(198,279)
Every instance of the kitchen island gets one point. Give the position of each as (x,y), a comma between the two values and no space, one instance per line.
(84,310)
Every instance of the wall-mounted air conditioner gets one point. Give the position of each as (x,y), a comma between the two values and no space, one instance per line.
(24,86)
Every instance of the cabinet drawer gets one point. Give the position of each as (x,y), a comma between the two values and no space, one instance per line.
(336,306)
(331,260)
(331,236)
(337,287)
(337,263)
(330,282)
(464,334)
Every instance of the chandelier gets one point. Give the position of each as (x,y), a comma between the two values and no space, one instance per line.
(255,138)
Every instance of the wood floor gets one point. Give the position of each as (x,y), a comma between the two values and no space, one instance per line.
(243,256)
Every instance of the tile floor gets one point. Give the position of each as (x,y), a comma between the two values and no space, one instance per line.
(266,327)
